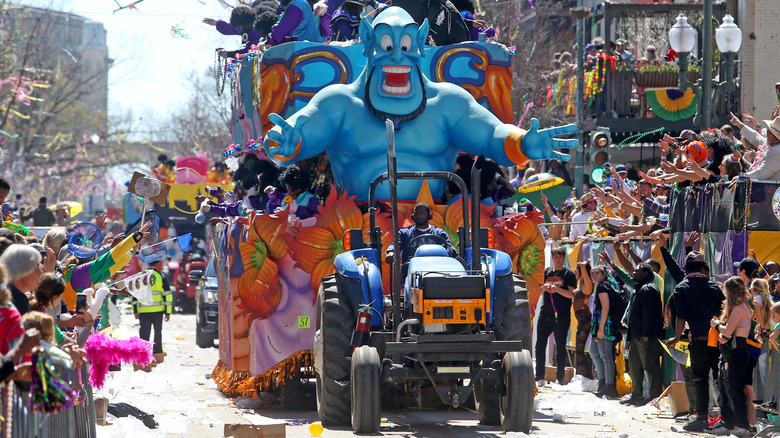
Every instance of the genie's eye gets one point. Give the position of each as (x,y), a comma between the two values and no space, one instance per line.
(406,42)
(386,42)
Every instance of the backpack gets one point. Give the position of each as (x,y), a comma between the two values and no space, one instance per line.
(618,303)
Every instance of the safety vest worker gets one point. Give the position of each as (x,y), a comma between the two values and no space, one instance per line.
(152,314)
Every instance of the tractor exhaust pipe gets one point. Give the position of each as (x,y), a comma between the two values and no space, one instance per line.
(476,173)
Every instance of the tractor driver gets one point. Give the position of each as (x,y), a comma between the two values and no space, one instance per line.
(421,215)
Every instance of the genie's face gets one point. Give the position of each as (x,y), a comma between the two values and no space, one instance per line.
(394,47)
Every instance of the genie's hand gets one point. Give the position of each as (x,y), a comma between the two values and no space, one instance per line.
(539,145)
(284,136)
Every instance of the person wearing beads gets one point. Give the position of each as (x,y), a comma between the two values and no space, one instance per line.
(697,299)
(555,314)
(302,203)
(604,333)
(242,21)
(748,270)
(645,328)
(773,336)
(80,277)
(761,302)
(733,328)
(580,306)
(345,22)
(297,23)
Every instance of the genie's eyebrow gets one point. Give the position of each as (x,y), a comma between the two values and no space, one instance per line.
(381,25)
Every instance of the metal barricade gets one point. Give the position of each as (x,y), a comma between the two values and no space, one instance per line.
(770,390)
(21,422)
(84,413)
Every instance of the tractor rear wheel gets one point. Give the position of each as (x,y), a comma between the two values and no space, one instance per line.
(515,325)
(366,390)
(335,322)
(516,322)
(517,401)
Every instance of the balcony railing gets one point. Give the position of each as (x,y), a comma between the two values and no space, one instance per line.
(620,100)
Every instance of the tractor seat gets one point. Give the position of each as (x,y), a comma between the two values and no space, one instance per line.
(431,250)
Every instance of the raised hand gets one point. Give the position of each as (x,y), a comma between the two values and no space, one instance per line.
(210,21)
(735,121)
(286,137)
(664,145)
(540,144)
(100,220)
(604,258)
(320,8)
(480,24)
(749,119)
(118,239)
(692,239)
(50,261)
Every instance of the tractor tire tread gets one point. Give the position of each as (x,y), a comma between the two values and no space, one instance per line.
(335,321)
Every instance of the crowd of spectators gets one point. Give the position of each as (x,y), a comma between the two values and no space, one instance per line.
(743,311)
(39,294)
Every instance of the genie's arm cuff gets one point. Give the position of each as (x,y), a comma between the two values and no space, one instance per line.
(512,147)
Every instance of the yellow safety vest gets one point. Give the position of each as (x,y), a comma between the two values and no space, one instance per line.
(162,300)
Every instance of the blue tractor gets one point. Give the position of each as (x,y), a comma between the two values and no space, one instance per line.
(461,325)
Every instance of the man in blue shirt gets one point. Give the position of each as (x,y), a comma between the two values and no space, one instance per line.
(421,215)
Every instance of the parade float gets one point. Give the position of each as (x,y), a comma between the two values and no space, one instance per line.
(270,265)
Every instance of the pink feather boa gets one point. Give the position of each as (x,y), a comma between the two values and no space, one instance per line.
(103,351)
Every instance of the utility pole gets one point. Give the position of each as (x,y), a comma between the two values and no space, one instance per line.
(705,120)
(579,171)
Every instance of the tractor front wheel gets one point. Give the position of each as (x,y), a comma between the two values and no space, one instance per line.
(517,401)
(366,390)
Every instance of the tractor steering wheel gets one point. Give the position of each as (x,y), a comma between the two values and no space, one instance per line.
(424,239)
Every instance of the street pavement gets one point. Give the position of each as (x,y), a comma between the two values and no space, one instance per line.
(186,403)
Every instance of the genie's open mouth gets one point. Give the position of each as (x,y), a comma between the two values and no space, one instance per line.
(396,80)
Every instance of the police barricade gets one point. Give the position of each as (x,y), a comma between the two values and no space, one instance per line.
(21,422)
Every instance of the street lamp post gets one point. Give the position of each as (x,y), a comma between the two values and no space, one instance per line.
(682,38)
(579,170)
(729,39)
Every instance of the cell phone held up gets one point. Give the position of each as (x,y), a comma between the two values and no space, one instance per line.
(81,302)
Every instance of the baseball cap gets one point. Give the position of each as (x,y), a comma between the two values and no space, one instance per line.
(694,256)
(687,135)
(587,197)
(748,265)
(620,169)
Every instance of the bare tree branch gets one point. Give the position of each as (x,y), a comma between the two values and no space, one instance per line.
(128,6)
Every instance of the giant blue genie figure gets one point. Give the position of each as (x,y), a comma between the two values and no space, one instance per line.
(433,120)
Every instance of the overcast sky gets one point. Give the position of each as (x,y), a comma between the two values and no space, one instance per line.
(150,64)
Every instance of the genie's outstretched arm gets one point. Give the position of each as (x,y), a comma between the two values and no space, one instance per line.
(476,130)
(308,132)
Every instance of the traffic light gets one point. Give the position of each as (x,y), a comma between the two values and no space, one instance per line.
(600,140)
